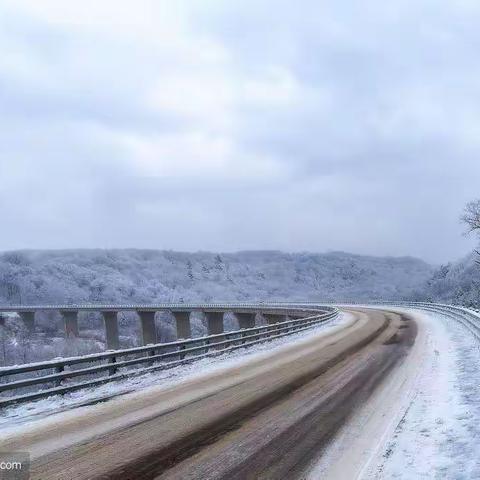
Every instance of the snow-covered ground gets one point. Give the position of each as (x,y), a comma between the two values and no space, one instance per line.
(24,413)
(439,434)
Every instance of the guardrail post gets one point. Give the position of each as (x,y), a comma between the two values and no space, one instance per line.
(59,369)
(111,330)
(149,332)
(151,353)
(113,369)
(70,319)
(182,355)
(182,320)
(289,325)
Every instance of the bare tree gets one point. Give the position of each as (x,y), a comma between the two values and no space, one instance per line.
(471,218)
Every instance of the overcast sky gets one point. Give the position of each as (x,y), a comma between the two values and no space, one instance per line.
(208,125)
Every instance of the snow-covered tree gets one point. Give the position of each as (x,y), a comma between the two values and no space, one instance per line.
(471,218)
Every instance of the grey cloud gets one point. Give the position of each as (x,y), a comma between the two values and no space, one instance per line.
(379,142)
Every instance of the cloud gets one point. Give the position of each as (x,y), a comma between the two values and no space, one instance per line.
(234,125)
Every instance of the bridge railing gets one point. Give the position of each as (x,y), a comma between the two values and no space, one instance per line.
(58,376)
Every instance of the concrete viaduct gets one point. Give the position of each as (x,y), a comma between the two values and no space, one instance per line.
(214,315)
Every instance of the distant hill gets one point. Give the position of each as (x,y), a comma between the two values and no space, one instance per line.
(74,276)
(457,282)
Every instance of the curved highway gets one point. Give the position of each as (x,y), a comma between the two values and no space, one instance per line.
(269,418)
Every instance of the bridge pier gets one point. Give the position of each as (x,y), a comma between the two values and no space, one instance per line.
(214,322)
(149,332)
(245,320)
(111,330)
(70,319)
(28,319)
(184,328)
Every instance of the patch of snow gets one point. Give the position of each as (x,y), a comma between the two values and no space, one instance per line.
(439,434)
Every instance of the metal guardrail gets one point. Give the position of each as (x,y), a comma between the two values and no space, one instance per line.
(55,376)
(467,317)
